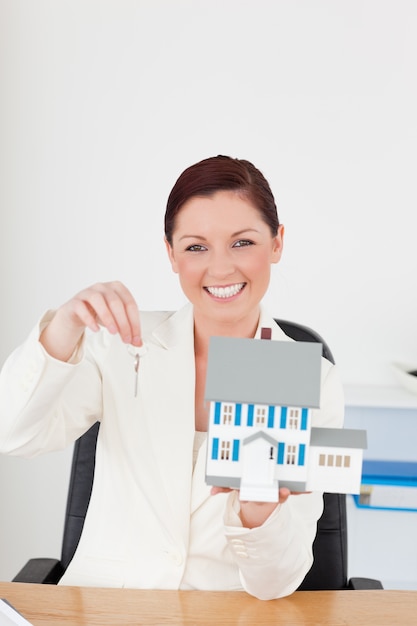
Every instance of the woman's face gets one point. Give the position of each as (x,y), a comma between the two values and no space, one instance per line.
(222,251)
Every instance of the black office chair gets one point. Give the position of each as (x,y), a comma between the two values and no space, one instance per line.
(329,569)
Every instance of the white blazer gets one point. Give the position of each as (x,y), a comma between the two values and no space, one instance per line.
(152,522)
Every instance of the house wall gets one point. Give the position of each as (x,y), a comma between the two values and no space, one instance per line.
(292,472)
(334,479)
(220,432)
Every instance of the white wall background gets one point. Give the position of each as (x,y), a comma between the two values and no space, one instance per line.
(104,103)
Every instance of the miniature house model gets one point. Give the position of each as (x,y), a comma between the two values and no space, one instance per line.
(262,394)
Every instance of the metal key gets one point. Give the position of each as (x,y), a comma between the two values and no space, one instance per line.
(136,366)
(137,354)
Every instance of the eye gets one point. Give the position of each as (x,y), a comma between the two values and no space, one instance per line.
(242,243)
(195,247)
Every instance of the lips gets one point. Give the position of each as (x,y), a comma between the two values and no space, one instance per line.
(225,292)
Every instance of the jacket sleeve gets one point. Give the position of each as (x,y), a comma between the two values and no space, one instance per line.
(46,404)
(274,558)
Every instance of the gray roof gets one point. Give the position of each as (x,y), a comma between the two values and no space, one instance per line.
(259,371)
(338,438)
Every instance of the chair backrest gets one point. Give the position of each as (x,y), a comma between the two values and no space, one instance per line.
(79,492)
(329,570)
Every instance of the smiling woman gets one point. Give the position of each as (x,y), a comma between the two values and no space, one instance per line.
(152,521)
(222,234)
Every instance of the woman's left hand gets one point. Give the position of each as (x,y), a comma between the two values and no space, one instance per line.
(254,514)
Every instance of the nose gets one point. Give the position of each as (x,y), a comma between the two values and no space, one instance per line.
(221,265)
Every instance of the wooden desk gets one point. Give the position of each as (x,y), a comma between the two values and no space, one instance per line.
(47,605)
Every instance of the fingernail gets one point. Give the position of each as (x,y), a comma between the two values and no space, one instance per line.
(112,329)
(137,341)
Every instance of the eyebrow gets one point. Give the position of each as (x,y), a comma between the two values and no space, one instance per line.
(236,234)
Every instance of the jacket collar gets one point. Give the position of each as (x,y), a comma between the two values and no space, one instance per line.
(266,320)
(172,330)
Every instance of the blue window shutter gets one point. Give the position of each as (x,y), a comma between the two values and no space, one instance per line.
(301,454)
(304,418)
(250,415)
(238,413)
(280,456)
(235,453)
(217,408)
(283,422)
(271,416)
(215,449)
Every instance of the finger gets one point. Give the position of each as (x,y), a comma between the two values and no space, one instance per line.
(92,309)
(284,494)
(215,490)
(113,306)
(131,314)
(82,313)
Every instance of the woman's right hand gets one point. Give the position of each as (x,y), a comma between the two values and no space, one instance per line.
(110,305)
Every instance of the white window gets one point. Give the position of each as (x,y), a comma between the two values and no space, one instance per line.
(294,419)
(225,451)
(334,460)
(291,454)
(260,416)
(227,412)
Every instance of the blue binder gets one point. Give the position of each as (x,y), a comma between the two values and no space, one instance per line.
(390,485)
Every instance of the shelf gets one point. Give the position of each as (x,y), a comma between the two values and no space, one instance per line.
(375,396)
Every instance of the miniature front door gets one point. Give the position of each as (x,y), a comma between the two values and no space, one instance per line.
(259,458)
(258,469)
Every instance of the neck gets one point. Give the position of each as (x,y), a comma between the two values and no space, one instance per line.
(205,328)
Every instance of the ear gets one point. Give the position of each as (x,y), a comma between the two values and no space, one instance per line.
(278,245)
(171,256)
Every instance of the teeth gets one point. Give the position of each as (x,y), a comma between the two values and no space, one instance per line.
(225,292)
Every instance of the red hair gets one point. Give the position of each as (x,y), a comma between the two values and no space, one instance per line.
(222,173)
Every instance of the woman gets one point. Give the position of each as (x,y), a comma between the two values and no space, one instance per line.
(152,521)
